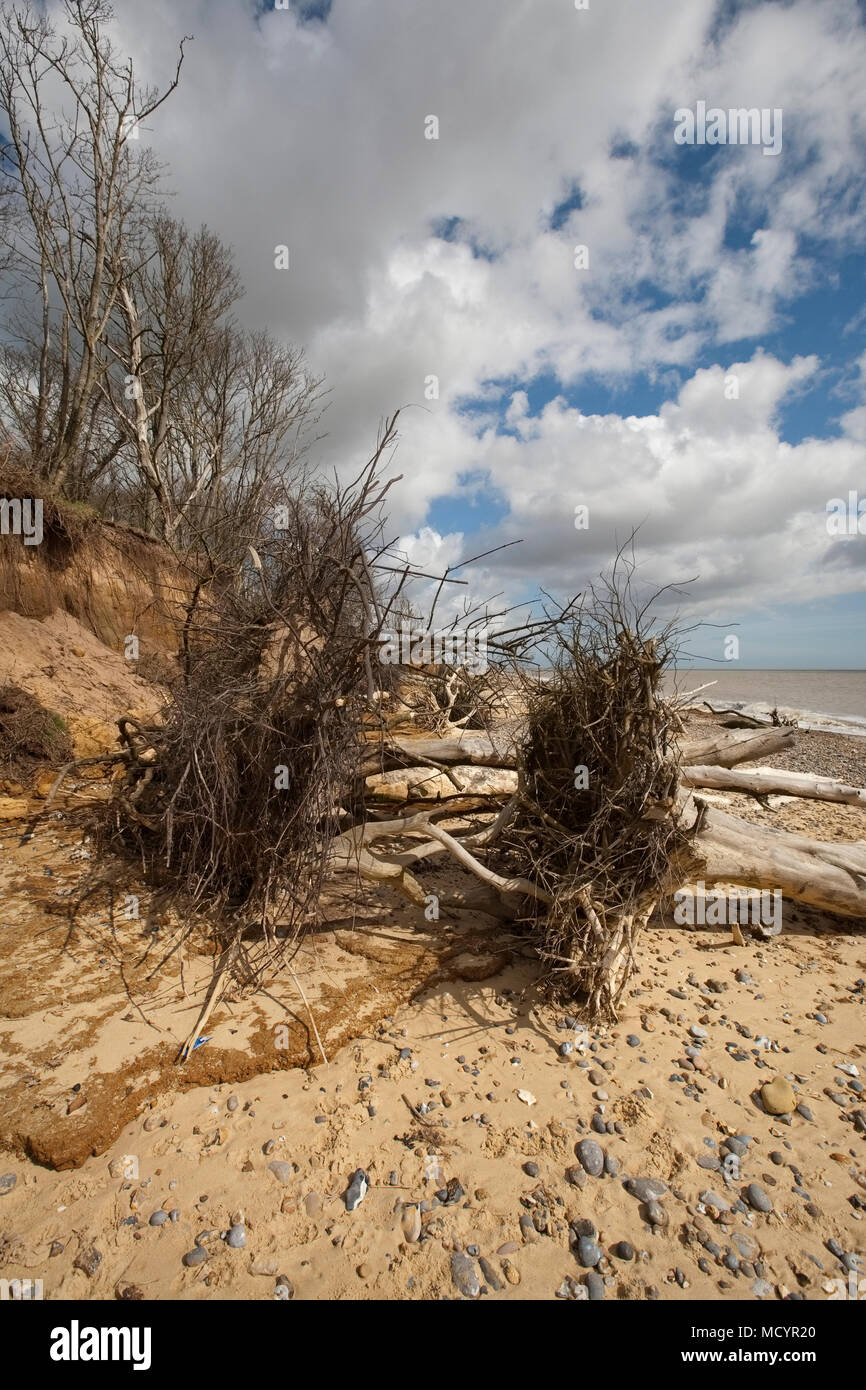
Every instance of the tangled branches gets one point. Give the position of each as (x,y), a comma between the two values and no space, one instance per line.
(598,779)
(236,796)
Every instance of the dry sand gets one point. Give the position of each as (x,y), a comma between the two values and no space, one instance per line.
(446,1016)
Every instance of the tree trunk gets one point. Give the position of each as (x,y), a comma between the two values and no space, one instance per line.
(724,748)
(823,875)
(768,780)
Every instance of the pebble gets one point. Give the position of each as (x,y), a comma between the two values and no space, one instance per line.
(232,1103)
(357,1189)
(575,1176)
(464,1275)
(7,1182)
(159,1218)
(757,1198)
(491,1278)
(283,1172)
(88,1261)
(646,1189)
(589,1252)
(531,1170)
(237,1237)
(656,1214)
(590,1156)
(411,1224)
(778,1097)
(623,1250)
(595,1285)
(195,1257)
(633,1040)
(803,1109)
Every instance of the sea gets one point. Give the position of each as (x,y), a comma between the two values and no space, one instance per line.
(834,701)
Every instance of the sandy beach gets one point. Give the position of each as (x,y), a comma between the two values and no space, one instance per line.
(497,1136)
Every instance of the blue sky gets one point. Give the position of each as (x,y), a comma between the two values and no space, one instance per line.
(453,258)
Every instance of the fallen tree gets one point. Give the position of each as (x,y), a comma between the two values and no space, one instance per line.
(726,849)
(766,781)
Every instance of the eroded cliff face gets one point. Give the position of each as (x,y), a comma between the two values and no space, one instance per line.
(114,581)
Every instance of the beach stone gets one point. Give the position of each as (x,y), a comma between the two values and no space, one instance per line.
(531,1170)
(411,1224)
(623,1250)
(312,1204)
(237,1237)
(195,1257)
(232,1103)
(656,1214)
(595,1285)
(464,1275)
(575,1176)
(357,1189)
(159,1218)
(697,1032)
(777,1096)
(712,1199)
(266,1267)
(803,1109)
(611,1165)
(757,1198)
(590,1156)
(283,1172)
(589,1252)
(734,1144)
(491,1278)
(633,1040)
(646,1189)
(88,1261)
(7,1182)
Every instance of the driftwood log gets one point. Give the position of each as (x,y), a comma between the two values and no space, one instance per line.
(767,781)
(821,874)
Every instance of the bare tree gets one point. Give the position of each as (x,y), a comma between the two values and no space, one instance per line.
(78,184)
(217,416)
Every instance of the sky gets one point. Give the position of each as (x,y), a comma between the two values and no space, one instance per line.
(492,225)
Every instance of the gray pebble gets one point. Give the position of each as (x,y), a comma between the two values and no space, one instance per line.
(757,1198)
(646,1189)
(7,1182)
(595,1285)
(237,1237)
(656,1214)
(464,1275)
(195,1257)
(588,1252)
(590,1156)
(283,1172)
(159,1218)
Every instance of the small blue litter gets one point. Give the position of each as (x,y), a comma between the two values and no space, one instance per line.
(187,1051)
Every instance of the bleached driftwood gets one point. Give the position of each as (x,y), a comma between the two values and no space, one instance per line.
(723,747)
(768,781)
(816,872)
